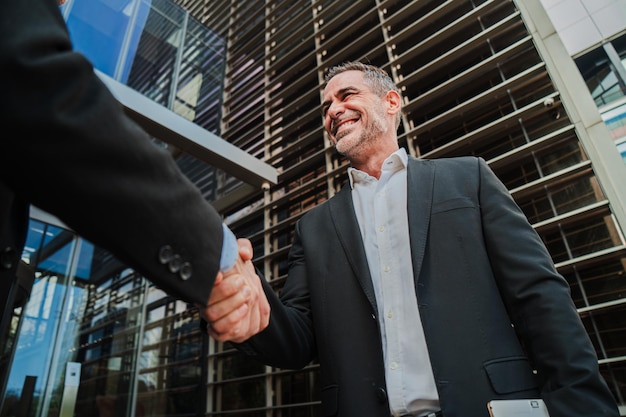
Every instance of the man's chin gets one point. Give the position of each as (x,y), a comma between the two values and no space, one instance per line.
(341,137)
(340,147)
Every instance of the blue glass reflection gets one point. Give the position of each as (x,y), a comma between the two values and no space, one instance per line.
(49,327)
(99,30)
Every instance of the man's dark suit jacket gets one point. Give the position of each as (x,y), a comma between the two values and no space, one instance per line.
(479,267)
(68,148)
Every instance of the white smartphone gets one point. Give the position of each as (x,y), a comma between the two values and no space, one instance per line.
(533,407)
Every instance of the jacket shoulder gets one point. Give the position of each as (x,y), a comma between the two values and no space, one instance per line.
(450,167)
(451,161)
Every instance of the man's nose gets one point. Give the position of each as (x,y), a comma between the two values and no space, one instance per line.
(334,110)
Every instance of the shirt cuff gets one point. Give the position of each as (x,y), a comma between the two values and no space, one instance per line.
(230,250)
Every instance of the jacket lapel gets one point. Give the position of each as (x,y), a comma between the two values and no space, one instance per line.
(345,222)
(420,184)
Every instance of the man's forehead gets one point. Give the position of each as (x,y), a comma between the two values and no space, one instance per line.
(352,80)
(350,75)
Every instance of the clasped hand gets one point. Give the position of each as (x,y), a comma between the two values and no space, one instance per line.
(238,308)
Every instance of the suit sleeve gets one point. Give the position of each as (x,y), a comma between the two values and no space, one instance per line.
(540,306)
(68,148)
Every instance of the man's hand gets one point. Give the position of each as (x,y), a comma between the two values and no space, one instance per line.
(238,308)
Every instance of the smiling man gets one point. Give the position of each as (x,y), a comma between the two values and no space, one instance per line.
(417,257)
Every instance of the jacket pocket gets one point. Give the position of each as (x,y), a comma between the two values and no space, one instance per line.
(509,375)
(452,204)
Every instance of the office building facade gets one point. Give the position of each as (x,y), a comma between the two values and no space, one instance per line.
(593,35)
(490,78)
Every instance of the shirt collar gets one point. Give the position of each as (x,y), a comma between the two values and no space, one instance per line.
(396,161)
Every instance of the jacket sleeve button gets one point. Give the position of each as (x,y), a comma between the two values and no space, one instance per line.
(175,263)
(185,271)
(165,254)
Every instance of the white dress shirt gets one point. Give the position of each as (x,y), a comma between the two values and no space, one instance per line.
(381,210)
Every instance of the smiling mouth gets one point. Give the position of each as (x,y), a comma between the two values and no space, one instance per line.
(342,124)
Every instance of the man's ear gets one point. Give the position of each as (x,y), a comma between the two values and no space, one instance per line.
(394,101)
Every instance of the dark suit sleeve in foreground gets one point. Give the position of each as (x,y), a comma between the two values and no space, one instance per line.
(68,148)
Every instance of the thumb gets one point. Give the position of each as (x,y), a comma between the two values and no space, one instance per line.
(245,249)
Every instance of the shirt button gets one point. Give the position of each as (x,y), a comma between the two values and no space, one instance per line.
(387,268)
(390,314)
(381,229)
(381,394)
(393,365)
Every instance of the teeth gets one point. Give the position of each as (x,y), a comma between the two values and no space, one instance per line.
(345,124)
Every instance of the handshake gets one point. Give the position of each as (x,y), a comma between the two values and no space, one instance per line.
(237,308)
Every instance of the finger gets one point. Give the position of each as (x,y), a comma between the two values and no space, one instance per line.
(258,299)
(232,327)
(260,309)
(262,315)
(254,318)
(245,249)
(215,294)
(218,278)
(229,286)
(222,303)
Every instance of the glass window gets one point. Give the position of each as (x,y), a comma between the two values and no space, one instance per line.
(604,77)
